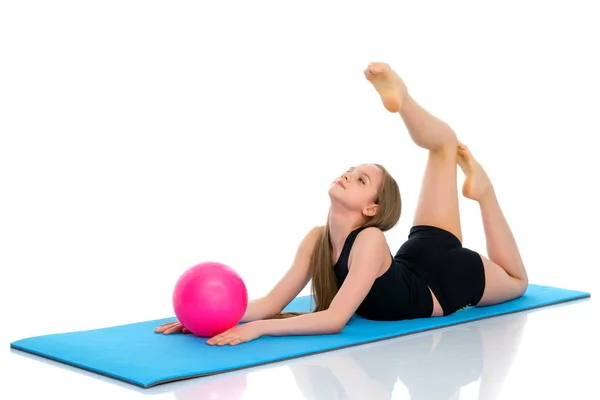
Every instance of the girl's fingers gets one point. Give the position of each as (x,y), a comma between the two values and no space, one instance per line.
(228,340)
(219,337)
(165,326)
(174,328)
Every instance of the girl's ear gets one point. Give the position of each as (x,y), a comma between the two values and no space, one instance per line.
(371,210)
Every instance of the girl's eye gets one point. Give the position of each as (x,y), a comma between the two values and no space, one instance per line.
(361,180)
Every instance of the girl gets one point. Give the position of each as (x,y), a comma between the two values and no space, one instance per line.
(350,263)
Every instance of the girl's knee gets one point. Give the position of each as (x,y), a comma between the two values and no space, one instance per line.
(522,285)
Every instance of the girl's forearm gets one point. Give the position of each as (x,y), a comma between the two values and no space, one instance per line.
(258,309)
(316,323)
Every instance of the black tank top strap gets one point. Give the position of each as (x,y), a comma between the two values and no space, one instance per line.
(345,254)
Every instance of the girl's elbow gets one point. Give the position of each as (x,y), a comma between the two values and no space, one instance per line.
(336,325)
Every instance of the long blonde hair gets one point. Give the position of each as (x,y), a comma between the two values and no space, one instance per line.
(324,284)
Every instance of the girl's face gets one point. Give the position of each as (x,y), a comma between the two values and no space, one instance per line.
(356,188)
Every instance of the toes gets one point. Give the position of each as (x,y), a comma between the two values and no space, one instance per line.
(376,67)
(463,150)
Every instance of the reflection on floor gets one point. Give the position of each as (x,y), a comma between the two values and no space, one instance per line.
(426,365)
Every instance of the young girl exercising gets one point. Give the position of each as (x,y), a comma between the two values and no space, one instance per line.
(350,263)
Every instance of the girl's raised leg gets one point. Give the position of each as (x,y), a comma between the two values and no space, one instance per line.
(438,199)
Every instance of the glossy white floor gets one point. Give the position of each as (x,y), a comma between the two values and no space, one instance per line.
(549,353)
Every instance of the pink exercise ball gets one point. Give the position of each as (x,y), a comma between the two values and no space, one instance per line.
(210,298)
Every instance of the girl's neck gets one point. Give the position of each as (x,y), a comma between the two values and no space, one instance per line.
(341,224)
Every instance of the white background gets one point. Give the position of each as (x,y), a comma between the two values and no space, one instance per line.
(139,138)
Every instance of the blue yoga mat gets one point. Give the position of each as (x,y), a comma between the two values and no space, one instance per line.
(134,354)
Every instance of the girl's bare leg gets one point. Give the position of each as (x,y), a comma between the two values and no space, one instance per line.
(506,277)
(438,199)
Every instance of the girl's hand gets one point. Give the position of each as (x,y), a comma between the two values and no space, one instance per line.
(236,335)
(171,327)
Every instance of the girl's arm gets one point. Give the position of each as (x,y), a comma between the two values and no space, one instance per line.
(257,309)
(289,286)
(368,256)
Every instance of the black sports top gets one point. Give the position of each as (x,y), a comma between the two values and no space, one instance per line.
(397,294)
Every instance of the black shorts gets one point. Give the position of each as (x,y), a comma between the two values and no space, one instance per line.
(454,273)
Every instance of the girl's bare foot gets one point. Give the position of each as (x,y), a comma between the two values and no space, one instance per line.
(477,184)
(388,84)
